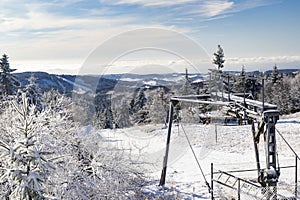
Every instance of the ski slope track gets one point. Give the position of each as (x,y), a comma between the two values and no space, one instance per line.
(82,87)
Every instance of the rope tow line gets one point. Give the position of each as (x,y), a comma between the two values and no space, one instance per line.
(206,182)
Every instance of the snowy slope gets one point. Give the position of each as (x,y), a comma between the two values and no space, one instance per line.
(230,149)
(84,88)
(45,81)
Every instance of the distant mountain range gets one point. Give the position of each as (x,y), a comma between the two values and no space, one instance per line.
(87,83)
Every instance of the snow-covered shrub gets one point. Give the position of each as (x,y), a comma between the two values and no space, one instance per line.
(24,165)
(108,170)
(30,139)
(45,155)
(88,170)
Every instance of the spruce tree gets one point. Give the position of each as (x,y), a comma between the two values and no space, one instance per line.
(187,109)
(247,83)
(121,115)
(186,89)
(104,116)
(295,93)
(138,101)
(138,108)
(32,92)
(8,82)
(240,80)
(275,76)
(253,87)
(243,71)
(219,58)
(24,165)
(158,108)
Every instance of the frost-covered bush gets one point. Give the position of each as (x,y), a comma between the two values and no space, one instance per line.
(109,169)
(24,165)
(44,155)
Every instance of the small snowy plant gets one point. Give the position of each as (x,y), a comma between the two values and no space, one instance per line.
(24,166)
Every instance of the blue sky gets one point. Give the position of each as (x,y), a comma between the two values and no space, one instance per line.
(57,36)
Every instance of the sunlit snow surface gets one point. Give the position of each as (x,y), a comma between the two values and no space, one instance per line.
(228,147)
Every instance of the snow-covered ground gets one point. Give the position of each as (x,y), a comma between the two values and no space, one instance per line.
(227,147)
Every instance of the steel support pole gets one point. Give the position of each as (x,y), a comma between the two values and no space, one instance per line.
(256,152)
(239,189)
(210,84)
(212,180)
(228,88)
(244,84)
(296,176)
(165,163)
(263,95)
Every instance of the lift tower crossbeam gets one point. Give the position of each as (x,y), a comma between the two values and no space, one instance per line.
(268,119)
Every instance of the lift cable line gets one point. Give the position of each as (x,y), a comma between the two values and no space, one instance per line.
(288,144)
(198,163)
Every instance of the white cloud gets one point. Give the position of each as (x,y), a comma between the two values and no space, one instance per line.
(264,59)
(35,20)
(262,63)
(43,36)
(44,41)
(205,8)
(70,39)
(151,2)
(250,4)
(50,66)
(214,8)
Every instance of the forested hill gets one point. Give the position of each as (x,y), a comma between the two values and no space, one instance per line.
(66,83)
